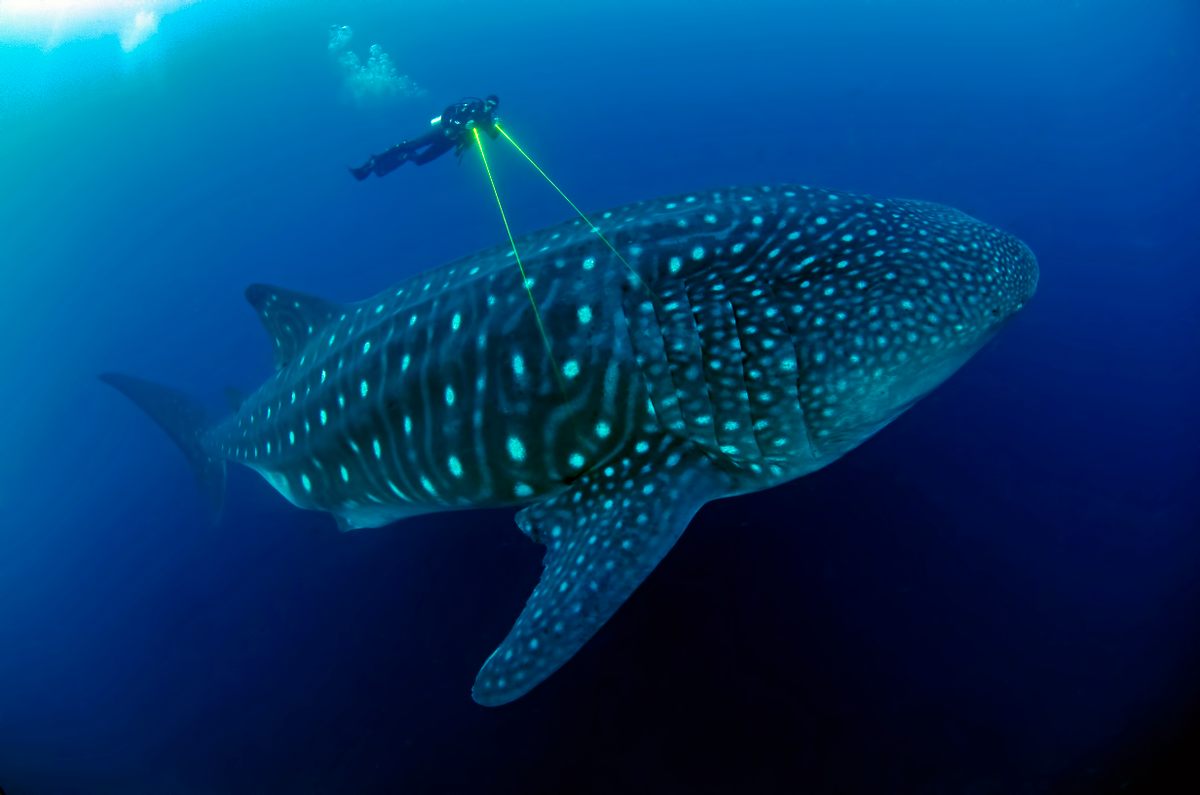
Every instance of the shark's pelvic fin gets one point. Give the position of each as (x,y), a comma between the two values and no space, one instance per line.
(290,317)
(603,536)
(185,422)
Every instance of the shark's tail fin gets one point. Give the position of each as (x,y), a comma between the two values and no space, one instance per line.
(184,421)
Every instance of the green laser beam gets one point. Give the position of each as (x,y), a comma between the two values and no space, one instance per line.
(537,316)
(595,229)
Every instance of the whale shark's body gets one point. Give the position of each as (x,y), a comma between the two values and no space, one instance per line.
(743,338)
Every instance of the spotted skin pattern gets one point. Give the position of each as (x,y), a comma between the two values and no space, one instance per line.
(757,335)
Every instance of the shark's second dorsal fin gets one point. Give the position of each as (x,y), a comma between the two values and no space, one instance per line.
(291,318)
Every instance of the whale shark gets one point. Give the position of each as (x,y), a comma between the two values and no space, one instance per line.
(687,348)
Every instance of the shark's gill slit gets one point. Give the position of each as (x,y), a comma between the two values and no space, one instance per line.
(678,392)
(688,287)
(777,300)
(740,337)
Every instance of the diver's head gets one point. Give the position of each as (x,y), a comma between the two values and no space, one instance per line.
(491,102)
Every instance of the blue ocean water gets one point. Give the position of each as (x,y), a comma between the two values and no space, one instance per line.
(997,594)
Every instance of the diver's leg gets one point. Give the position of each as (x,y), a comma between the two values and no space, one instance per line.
(398,155)
(438,147)
(363,171)
(389,161)
(381,164)
(392,159)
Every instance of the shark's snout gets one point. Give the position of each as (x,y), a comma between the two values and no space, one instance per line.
(974,277)
(1031,272)
(1016,272)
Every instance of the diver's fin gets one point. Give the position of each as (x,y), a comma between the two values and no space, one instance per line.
(184,421)
(604,535)
(290,317)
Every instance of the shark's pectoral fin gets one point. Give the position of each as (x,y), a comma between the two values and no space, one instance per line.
(603,536)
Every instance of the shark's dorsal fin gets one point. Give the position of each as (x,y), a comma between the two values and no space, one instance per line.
(234,397)
(603,536)
(291,318)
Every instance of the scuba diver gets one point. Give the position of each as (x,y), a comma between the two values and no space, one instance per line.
(451,130)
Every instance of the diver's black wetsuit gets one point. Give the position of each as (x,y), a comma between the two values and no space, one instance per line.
(449,131)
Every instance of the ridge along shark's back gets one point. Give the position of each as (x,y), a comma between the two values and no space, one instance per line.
(744,337)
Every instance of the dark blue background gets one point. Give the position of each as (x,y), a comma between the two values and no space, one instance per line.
(998,594)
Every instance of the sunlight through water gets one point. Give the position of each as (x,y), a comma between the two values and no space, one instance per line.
(49,23)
